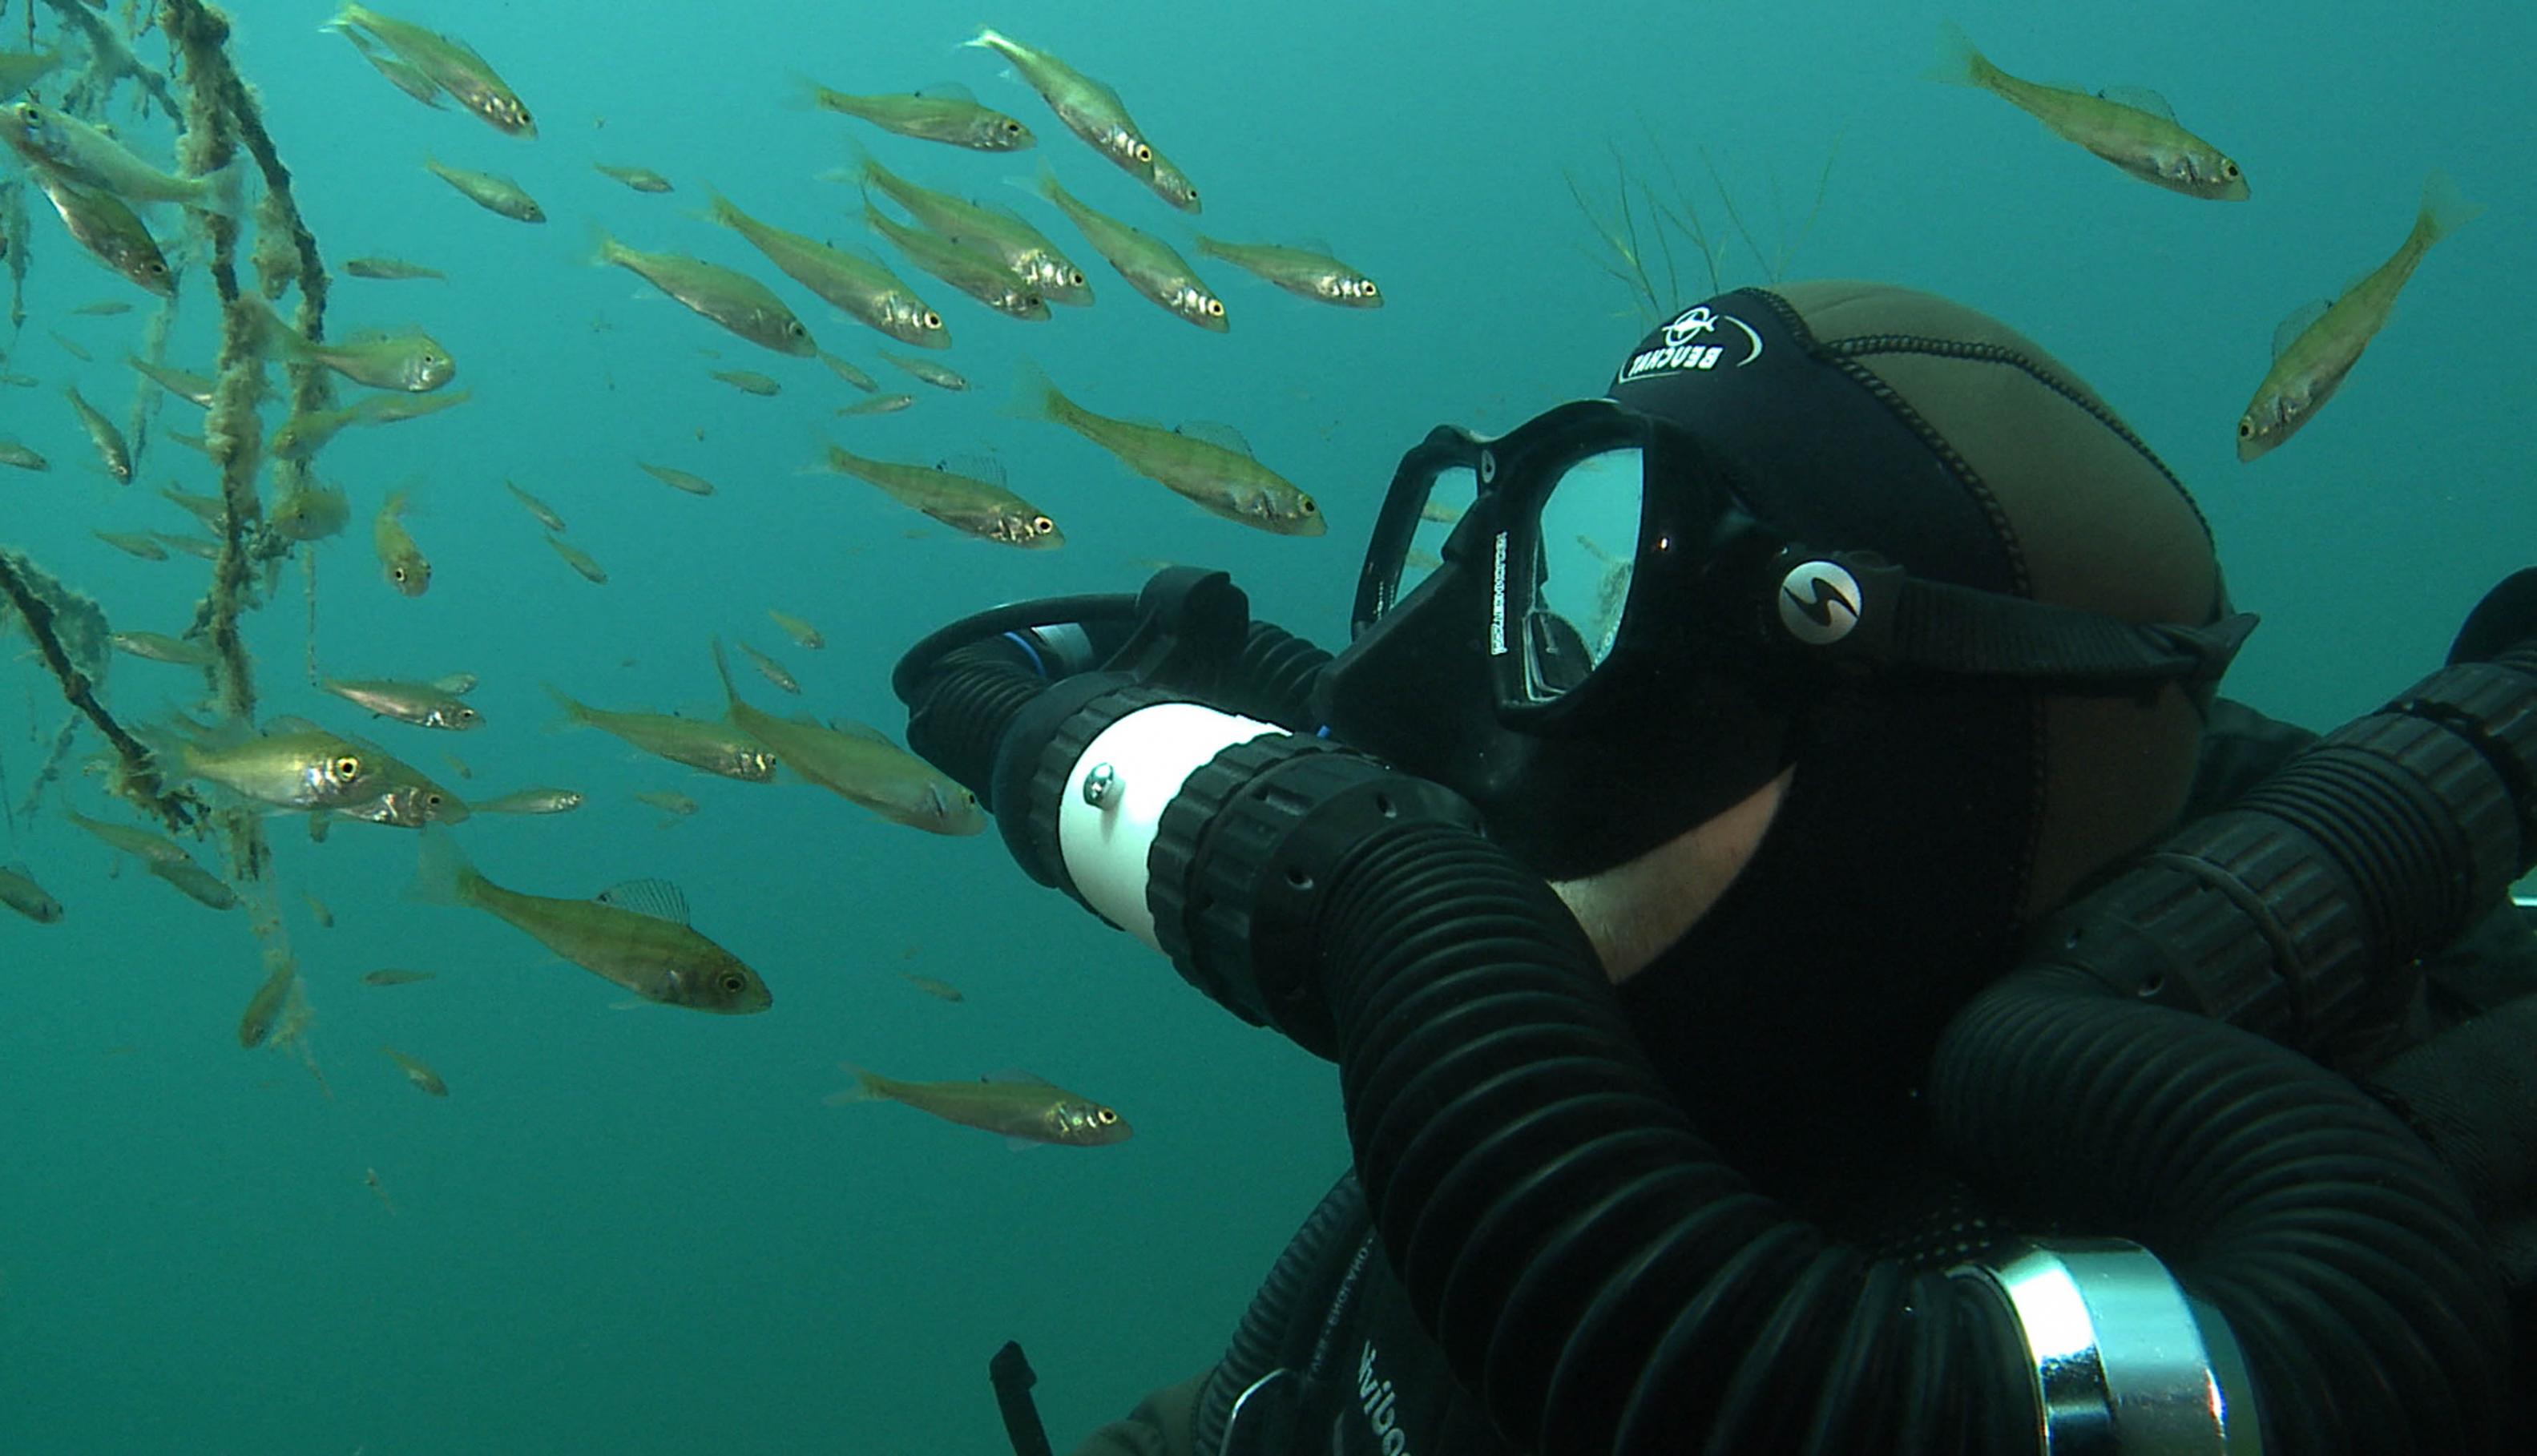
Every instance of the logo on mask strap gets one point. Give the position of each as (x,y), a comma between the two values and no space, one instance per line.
(1692,343)
(1819,603)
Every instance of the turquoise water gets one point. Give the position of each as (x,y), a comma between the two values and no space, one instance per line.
(642,1230)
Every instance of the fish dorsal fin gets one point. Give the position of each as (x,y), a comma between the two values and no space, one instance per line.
(658,898)
(1314,243)
(976,466)
(2301,319)
(1016,1077)
(865,731)
(1214,432)
(948,91)
(456,683)
(291,723)
(2139,99)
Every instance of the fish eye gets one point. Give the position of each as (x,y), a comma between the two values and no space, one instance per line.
(1145,153)
(1308,507)
(347,767)
(1104,1117)
(732,984)
(2247,429)
(1366,285)
(795,329)
(434,801)
(1215,309)
(1042,525)
(2228,169)
(466,715)
(1013,128)
(932,319)
(157,267)
(396,573)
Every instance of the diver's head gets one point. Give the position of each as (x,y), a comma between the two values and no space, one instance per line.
(1852,540)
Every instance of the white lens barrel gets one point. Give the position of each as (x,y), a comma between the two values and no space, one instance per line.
(1115,794)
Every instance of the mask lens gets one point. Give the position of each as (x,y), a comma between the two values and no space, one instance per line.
(1586,543)
(1448,497)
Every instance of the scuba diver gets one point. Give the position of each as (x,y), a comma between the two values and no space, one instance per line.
(1812,963)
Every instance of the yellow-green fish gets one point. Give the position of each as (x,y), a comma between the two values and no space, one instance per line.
(111,451)
(141,844)
(938,990)
(533,801)
(2316,348)
(981,276)
(21,456)
(423,705)
(862,288)
(1220,479)
(265,1006)
(711,746)
(397,977)
(2133,129)
(667,801)
(399,72)
(161,647)
(996,231)
(943,112)
(19,892)
(415,362)
(969,503)
(488,190)
(803,633)
(735,301)
(634,934)
(878,404)
(640,178)
(1148,263)
(859,766)
(78,153)
(103,308)
(20,69)
(451,63)
(580,561)
(185,384)
(199,885)
(545,514)
(402,561)
(750,381)
(71,347)
(299,765)
(1021,1107)
(211,510)
(145,548)
(426,1080)
(390,270)
(192,545)
(1299,271)
(1091,110)
(769,668)
(317,910)
(844,370)
(303,436)
(928,370)
(310,510)
(111,231)
(677,478)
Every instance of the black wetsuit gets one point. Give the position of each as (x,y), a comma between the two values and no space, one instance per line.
(1355,1375)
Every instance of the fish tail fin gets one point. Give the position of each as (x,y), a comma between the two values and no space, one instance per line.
(867,1087)
(2445,208)
(220,191)
(719,208)
(443,875)
(576,715)
(400,501)
(987,38)
(605,252)
(1958,62)
(721,665)
(802,94)
(275,332)
(1035,395)
(1208,247)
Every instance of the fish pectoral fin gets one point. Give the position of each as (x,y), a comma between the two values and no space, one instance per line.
(2139,99)
(1020,1144)
(2301,320)
(1217,434)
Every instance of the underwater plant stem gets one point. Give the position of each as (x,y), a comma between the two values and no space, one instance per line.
(104,42)
(141,774)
